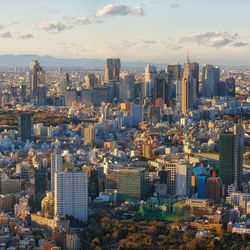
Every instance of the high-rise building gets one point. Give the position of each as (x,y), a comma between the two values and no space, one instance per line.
(210,80)
(147,151)
(93,183)
(214,189)
(150,75)
(133,184)
(188,88)
(71,195)
(90,135)
(25,126)
(183,179)
(154,115)
(112,70)
(90,81)
(195,74)
(231,157)
(174,72)
(126,86)
(42,95)
(23,92)
(56,165)
(37,77)
(161,90)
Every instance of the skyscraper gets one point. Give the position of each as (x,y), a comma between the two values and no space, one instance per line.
(37,77)
(25,126)
(150,75)
(90,81)
(195,74)
(56,165)
(183,179)
(71,195)
(126,86)
(188,88)
(210,80)
(174,72)
(231,157)
(89,135)
(133,184)
(161,87)
(112,70)
(42,92)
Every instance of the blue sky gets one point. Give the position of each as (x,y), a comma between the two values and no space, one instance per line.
(216,31)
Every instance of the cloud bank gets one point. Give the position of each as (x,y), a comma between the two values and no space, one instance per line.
(215,39)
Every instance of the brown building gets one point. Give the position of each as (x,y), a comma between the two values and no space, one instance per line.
(213,189)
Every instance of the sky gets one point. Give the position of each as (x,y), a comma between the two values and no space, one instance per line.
(160,31)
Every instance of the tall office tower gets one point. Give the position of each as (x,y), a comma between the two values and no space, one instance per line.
(93,183)
(178,96)
(90,135)
(174,72)
(42,95)
(210,80)
(183,179)
(195,74)
(91,81)
(56,165)
(174,76)
(71,195)
(161,90)
(112,70)
(170,167)
(37,77)
(231,157)
(188,88)
(137,114)
(25,126)
(133,184)
(23,92)
(154,115)
(230,87)
(67,79)
(150,75)
(126,86)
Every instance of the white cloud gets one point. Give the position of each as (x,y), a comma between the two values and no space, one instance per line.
(78,20)
(25,36)
(6,25)
(54,27)
(215,39)
(119,10)
(5,34)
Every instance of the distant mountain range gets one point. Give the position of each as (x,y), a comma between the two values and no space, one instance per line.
(49,61)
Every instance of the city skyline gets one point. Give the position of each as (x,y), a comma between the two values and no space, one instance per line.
(151,31)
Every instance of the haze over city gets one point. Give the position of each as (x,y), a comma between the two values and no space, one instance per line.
(124,125)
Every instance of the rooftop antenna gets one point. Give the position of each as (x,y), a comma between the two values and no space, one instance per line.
(188,61)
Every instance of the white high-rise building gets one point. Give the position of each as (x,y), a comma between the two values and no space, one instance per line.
(180,178)
(183,179)
(71,195)
(126,86)
(56,165)
(150,75)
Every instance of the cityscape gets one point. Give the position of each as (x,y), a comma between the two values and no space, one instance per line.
(114,146)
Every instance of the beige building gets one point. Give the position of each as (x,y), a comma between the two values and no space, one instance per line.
(48,204)
(89,135)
